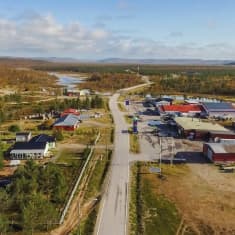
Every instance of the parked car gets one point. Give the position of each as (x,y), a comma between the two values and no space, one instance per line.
(125,131)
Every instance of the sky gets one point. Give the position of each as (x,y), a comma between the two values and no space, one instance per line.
(97,29)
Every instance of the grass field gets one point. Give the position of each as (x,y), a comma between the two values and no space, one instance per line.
(157,202)
(151,213)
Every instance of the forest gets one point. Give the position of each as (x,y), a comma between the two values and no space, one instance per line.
(33,199)
(216,82)
(110,82)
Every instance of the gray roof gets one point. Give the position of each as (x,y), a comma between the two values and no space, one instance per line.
(23,133)
(42,138)
(218,106)
(29,146)
(222,147)
(67,120)
(200,125)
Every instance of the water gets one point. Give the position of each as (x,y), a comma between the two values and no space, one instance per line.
(67,80)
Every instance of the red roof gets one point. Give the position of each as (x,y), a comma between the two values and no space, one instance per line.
(70,111)
(183,108)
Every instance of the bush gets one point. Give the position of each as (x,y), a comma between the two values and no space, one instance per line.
(58,134)
(14,128)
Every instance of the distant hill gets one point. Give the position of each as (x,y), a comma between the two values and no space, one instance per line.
(165,61)
(231,63)
(35,61)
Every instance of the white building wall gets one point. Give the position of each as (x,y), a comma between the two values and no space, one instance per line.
(29,153)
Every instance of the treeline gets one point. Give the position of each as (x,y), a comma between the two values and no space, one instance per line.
(110,82)
(145,69)
(87,103)
(18,111)
(85,68)
(33,199)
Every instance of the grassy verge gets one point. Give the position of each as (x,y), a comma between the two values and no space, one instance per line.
(151,213)
(121,107)
(96,181)
(87,226)
(134,143)
(128,119)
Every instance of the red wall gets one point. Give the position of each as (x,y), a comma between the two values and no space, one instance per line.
(224,157)
(219,157)
(65,128)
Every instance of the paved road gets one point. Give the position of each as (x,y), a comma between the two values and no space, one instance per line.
(113,213)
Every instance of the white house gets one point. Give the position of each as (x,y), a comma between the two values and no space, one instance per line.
(27,150)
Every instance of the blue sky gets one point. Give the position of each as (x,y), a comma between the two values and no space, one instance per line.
(94,29)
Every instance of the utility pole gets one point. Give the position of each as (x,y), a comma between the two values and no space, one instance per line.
(160,156)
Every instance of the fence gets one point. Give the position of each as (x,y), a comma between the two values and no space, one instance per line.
(77,182)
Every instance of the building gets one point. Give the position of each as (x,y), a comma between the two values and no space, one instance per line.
(73,92)
(219,109)
(29,150)
(23,136)
(70,111)
(219,152)
(183,109)
(85,92)
(42,138)
(68,122)
(195,128)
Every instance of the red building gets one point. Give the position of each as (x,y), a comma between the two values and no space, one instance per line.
(182,108)
(68,122)
(219,152)
(70,111)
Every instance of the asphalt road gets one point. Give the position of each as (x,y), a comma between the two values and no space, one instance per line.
(113,216)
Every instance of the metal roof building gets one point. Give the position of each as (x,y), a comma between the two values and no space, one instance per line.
(195,128)
(219,109)
(219,152)
(68,122)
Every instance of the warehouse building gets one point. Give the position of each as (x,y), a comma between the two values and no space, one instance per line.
(219,152)
(219,109)
(195,128)
(182,109)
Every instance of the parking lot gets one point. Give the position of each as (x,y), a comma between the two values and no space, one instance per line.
(157,134)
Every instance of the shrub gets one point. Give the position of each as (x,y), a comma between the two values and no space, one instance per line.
(14,128)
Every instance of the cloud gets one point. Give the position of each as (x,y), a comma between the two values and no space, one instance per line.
(43,35)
